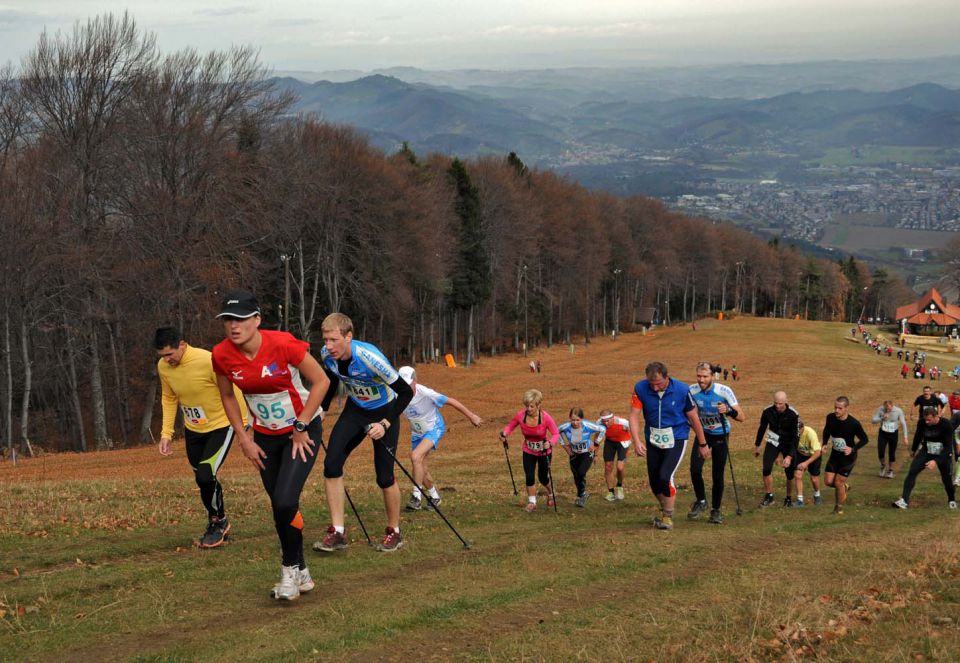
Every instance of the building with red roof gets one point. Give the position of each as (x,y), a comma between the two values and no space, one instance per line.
(929,316)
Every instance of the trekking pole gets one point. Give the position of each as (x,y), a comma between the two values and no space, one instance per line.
(507,456)
(352,506)
(553,493)
(466,546)
(733,478)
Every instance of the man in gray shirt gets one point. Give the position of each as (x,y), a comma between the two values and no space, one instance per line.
(891,421)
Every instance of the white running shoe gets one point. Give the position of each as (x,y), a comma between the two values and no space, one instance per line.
(289,586)
(619,492)
(305,582)
(901,503)
(951,505)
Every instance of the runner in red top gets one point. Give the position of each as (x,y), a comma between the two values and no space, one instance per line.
(287,420)
(616,442)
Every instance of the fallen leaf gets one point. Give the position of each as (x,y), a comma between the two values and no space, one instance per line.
(16,572)
(825,599)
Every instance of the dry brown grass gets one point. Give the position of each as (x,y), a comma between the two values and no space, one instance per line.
(100,541)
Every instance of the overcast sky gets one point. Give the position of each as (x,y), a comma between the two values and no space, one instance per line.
(318,35)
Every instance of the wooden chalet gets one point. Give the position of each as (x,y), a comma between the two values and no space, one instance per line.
(929,316)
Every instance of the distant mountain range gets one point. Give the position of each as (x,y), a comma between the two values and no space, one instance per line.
(557,126)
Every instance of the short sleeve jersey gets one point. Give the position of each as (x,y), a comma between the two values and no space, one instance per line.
(922,402)
(707,401)
(664,410)
(368,377)
(424,410)
(270,382)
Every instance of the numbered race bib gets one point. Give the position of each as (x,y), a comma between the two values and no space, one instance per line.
(273,411)
(839,443)
(934,448)
(536,445)
(194,414)
(773,439)
(419,426)
(889,426)
(580,447)
(712,422)
(626,444)
(662,438)
(364,393)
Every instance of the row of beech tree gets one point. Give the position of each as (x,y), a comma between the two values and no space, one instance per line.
(136,187)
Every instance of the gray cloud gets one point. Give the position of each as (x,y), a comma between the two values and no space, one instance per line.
(16,19)
(219,12)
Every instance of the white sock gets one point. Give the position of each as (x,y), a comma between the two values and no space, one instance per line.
(416,493)
(397,529)
(339,529)
(816,493)
(433,493)
(532,499)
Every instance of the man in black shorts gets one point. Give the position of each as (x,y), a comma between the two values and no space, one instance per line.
(933,448)
(845,436)
(780,422)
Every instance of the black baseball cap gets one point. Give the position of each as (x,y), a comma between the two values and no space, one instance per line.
(239,304)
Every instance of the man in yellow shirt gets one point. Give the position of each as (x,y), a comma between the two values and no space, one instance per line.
(187,380)
(809,451)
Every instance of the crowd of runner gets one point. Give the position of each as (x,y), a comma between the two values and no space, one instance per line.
(255,380)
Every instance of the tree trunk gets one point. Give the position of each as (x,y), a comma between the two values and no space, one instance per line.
(723,292)
(603,313)
(470,337)
(75,388)
(516,308)
(120,388)
(456,333)
(8,365)
(101,437)
(146,421)
(27,387)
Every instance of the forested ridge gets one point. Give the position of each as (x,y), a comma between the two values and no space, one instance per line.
(136,187)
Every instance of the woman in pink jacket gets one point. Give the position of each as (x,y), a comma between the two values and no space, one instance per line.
(539,435)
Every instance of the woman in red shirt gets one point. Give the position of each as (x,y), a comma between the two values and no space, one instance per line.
(286,417)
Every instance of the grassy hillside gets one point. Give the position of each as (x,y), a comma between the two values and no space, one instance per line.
(96,561)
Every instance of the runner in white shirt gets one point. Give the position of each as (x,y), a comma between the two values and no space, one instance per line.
(427,423)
